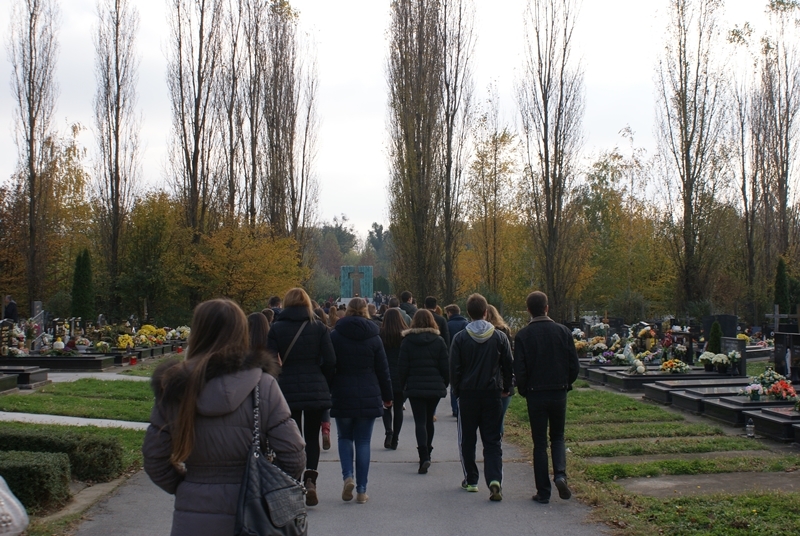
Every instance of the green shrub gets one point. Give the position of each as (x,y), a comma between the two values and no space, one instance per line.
(40,480)
(96,459)
(715,338)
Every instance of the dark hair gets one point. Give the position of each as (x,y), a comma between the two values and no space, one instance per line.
(269,313)
(423,319)
(320,312)
(258,325)
(357,307)
(394,302)
(430,302)
(405,296)
(537,303)
(275,301)
(476,306)
(333,317)
(383,309)
(452,309)
(392,328)
(219,333)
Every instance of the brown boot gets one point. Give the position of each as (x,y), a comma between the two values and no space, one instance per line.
(310,482)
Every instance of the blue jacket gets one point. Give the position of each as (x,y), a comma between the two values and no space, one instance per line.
(456,324)
(361,381)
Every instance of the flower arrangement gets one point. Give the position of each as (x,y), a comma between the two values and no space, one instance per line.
(647,333)
(149,335)
(181,333)
(720,359)
(679,351)
(142,341)
(752,390)
(767,378)
(16,352)
(637,367)
(600,329)
(743,337)
(706,358)
(782,390)
(124,341)
(82,341)
(620,359)
(581,347)
(18,334)
(675,366)
(734,356)
(102,347)
(576,333)
(599,359)
(32,329)
(598,348)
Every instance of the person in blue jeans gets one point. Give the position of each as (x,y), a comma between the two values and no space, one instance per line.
(361,389)
(546,366)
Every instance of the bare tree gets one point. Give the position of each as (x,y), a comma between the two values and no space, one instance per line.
(457,43)
(117,126)
(414,74)
(32,50)
(551,104)
(690,133)
(194,58)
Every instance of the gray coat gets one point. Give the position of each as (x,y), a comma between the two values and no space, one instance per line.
(206,495)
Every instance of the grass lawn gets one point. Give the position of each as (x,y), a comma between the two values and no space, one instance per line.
(96,399)
(594,415)
(754,368)
(147,369)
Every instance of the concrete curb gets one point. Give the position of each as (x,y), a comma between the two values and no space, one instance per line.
(36,418)
(85,499)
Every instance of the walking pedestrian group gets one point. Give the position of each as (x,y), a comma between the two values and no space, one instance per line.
(310,363)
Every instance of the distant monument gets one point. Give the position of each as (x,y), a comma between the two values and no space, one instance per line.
(356,282)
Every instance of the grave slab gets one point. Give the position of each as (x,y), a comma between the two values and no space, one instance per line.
(8,383)
(86,362)
(776,423)
(623,381)
(28,377)
(730,409)
(693,399)
(661,391)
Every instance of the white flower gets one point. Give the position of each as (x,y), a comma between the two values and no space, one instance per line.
(640,369)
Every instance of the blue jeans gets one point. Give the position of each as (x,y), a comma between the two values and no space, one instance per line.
(547,409)
(356,431)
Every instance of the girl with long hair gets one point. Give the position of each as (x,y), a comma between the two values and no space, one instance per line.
(307,361)
(494,318)
(391,336)
(201,426)
(361,389)
(424,375)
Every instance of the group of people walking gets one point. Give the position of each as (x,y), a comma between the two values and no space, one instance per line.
(356,372)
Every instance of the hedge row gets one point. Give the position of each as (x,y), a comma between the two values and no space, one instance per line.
(40,480)
(95,459)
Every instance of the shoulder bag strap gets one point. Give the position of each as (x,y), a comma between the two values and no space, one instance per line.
(257,426)
(296,336)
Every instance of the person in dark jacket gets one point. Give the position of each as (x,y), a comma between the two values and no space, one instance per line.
(361,390)
(406,304)
(306,375)
(441,322)
(392,336)
(455,323)
(201,426)
(424,375)
(10,309)
(481,371)
(494,318)
(546,365)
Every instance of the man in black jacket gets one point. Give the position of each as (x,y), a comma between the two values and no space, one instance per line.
(546,365)
(480,373)
(441,322)
(10,309)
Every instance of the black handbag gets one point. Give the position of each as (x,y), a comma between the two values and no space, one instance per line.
(270,501)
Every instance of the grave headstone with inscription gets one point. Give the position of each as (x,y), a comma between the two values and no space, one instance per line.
(730,344)
(5,336)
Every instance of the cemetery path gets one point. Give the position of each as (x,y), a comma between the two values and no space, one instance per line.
(402,502)
(8,416)
(61,377)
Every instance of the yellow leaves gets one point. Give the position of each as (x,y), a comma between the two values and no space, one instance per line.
(247,265)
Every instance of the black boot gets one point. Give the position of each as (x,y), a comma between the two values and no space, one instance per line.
(387,443)
(424,460)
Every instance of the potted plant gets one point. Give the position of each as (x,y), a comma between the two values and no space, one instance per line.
(721,361)
(754,391)
(782,390)
(707,360)
(675,366)
(81,344)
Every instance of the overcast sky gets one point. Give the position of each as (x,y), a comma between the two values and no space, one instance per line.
(617,41)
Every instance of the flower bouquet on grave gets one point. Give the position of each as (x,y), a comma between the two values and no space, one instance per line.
(616,343)
(721,362)
(600,329)
(125,341)
(102,347)
(675,366)
(602,359)
(637,367)
(32,329)
(598,348)
(620,359)
(577,334)
(16,352)
(82,343)
(767,378)
(754,391)
(679,351)
(782,390)
(743,337)
(581,347)
(707,360)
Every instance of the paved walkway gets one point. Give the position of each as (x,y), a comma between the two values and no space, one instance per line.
(61,377)
(402,502)
(8,416)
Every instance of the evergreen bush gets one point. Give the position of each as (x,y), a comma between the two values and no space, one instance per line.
(782,287)
(40,480)
(82,288)
(715,338)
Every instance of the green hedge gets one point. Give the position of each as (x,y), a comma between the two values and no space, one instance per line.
(95,459)
(40,480)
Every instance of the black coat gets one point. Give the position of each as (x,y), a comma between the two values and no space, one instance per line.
(444,331)
(11,312)
(424,371)
(393,356)
(308,369)
(456,324)
(361,383)
(545,358)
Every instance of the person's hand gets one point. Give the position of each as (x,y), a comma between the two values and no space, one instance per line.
(505,394)
(387,404)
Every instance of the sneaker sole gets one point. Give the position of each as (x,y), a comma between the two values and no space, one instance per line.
(496,494)
(563,490)
(347,492)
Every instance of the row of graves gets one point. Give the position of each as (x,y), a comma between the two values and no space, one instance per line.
(670,367)
(31,349)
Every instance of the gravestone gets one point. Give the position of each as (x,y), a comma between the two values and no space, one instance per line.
(356,281)
(5,335)
(786,357)
(730,344)
(728,323)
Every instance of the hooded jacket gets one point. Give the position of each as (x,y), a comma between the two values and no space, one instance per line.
(423,364)
(308,369)
(545,358)
(206,495)
(480,361)
(455,324)
(361,381)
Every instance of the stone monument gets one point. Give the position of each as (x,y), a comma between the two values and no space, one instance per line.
(355,282)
